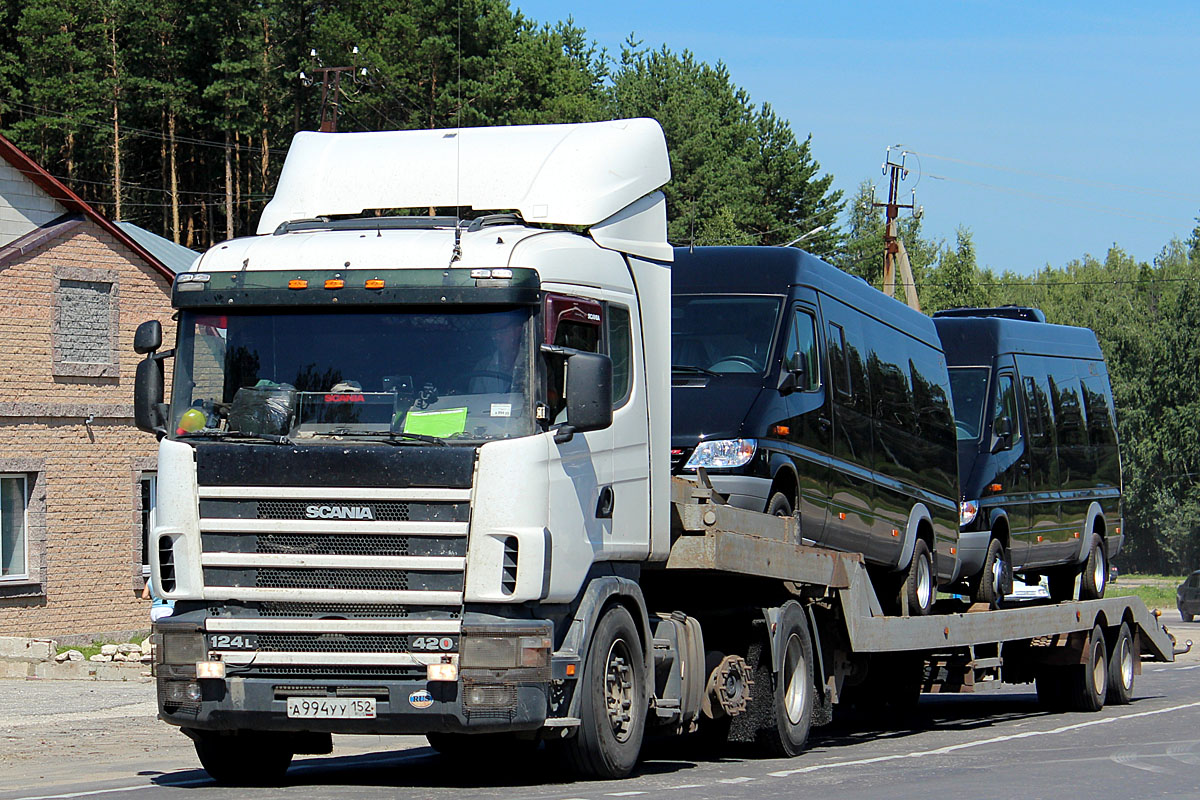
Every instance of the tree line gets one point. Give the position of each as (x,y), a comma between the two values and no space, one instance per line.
(176,116)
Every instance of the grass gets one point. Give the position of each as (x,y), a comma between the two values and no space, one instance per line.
(92,649)
(1156,591)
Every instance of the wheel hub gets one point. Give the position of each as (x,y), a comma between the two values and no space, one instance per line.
(618,690)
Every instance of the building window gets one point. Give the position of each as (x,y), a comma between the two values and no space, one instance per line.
(148,484)
(85,323)
(14,541)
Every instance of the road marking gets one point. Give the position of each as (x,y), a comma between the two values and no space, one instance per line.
(1135,760)
(624,794)
(734,780)
(299,766)
(686,786)
(941,751)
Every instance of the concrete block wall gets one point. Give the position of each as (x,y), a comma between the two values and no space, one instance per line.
(91,548)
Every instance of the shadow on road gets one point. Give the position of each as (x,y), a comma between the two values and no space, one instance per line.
(425,768)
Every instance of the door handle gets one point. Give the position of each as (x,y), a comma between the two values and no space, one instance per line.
(824,423)
(1024,466)
(604,505)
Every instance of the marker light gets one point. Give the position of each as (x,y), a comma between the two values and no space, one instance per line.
(374,283)
(297,283)
(967,511)
(334,283)
(722,453)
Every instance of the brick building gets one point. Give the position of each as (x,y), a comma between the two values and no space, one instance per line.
(75,475)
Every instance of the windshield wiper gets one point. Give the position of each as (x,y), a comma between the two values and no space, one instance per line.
(690,368)
(266,437)
(391,437)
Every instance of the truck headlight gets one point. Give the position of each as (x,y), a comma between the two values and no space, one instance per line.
(481,648)
(967,511)
(722,453)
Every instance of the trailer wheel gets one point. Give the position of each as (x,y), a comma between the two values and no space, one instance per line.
(1121,668)
(921,582)
(1049,682)
(988,589)
(244,758)
(612,709)
(794,692)
(1095,572)
(1087,684)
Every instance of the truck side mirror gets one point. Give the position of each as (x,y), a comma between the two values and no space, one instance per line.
(148,337)
(588,391)
(148,397)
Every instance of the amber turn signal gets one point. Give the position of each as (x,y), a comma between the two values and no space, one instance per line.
(297,283)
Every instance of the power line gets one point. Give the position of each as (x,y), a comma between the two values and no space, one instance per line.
(1049,198)
(1082,181)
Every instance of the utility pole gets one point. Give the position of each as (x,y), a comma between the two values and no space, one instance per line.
(331,96)
(893,249)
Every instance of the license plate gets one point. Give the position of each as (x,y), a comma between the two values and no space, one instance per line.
(331,707)
(233,641)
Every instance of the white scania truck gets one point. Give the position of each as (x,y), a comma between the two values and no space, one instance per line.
(413,477)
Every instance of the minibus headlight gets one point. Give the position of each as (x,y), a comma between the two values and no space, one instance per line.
(967,511)
(722,453)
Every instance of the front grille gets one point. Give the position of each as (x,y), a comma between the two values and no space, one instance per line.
(329,671)
(296,509)
(332,642)
(354,611)
(333,544)
(366,579)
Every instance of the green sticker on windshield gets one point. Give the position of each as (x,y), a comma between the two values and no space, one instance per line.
(449,422)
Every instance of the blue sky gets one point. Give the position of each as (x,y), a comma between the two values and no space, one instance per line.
(1050,130)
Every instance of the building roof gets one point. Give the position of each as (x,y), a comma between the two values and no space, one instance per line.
(75,207)
(176,257)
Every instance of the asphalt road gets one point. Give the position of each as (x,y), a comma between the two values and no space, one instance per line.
(76,740)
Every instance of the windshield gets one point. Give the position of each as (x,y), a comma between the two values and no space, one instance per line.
(722,333)
(969,385)
(396,374)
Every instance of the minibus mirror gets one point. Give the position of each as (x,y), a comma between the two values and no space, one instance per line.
(793,375)
(1001,434)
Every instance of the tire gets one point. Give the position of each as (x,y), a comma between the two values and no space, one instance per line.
(988,587)
(779,505)
(1121,668)
(1087,684)
(1062,583)
(1095,572)
(607,746)
(920,584)
(1185,616)
(244,758)
(785,733)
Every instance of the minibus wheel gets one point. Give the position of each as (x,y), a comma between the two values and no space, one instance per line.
(921,583)
(988,587)
(1095,572)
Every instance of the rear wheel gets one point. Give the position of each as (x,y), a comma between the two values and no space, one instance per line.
(1121,668)
(920,587)
(612,716)
(990,586)
(1185,616)
(1095,572)
(243,758)
(794,693)
(1087,684)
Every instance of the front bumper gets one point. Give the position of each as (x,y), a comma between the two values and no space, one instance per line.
(743,491)
(414,706)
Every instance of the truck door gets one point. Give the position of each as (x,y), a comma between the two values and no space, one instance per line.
(580,470)
(804,376)
(1009,487)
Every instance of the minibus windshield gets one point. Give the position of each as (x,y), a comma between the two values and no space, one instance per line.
(969,387)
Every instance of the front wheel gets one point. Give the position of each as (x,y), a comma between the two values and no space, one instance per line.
(613,705)
(1185,616)
(779,505)
(1095,572)
(244,758)
(990,586)
(920,587)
